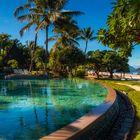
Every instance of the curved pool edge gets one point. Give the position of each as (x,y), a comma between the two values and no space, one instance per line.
(88,122)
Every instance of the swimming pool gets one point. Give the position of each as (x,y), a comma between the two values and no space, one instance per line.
(30,109)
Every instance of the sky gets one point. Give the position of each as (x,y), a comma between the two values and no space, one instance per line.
(95,16)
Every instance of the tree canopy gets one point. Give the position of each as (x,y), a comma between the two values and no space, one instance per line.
(123,26)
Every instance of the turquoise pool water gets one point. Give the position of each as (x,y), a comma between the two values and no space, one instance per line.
(30,109)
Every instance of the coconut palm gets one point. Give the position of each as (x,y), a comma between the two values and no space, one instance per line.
(31,45)
(66,34)
(87,35)
(31,23)
(47,11)
(32,20)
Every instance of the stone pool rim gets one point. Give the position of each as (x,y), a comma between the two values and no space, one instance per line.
(76,128)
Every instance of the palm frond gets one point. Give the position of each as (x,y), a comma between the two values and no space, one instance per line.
(21,9)
(53,38)
(61,4)
(71,13)
(25,28)
(41,25)
(27,17)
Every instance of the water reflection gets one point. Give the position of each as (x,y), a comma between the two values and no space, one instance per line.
(32,109)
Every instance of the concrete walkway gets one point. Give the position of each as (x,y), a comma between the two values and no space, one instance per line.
(137,88)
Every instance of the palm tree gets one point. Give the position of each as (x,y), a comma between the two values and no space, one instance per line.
(31,45)
(66,34)
(32,20)
(87,35)
(48,12)
(103,36)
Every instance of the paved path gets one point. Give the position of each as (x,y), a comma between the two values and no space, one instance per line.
(137,88)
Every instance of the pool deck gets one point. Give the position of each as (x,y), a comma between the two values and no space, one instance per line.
(73,130)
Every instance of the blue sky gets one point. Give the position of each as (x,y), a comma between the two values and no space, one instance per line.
(96,12)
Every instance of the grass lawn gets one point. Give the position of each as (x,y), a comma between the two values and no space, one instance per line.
(135,98)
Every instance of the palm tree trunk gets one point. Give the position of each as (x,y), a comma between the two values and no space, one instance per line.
(47,32)
(36,37)
(35,44)
(31,65)
(86,46)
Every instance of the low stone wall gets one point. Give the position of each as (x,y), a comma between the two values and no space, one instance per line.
(94,125)
(100,129)
(115,124)
(110,121)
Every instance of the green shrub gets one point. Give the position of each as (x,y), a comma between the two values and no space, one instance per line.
(34,72)
(79,72)
(13,63)
(138,136)
(1,59)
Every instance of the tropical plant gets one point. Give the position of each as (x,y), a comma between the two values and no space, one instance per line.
(31,21)
(124,26)
(125,17)
(108,61)
(95,58)
(66,35)
(31,45)
(115,41)
(54,64)
(64,60)
(39,57)
(112,62)
(80,71)
(13,63)
(87,35)
(71,57)
(47,11)
(5,43)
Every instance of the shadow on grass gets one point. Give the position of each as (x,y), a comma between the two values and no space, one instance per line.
(135,129)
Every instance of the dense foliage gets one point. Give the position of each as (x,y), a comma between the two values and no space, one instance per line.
(44,14)
(123,26)
(107,61)
(64,60)
(65,57)
(14,54)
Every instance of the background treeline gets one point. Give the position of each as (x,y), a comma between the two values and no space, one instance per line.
(63,61)
(65,57)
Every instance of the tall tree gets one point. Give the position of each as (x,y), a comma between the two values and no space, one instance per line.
(124,19)
(31,45)
(31,21)
(95,58)
(87,35)
(71,57)
(65,35)
(48,12)
(123,25)
(34,21)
